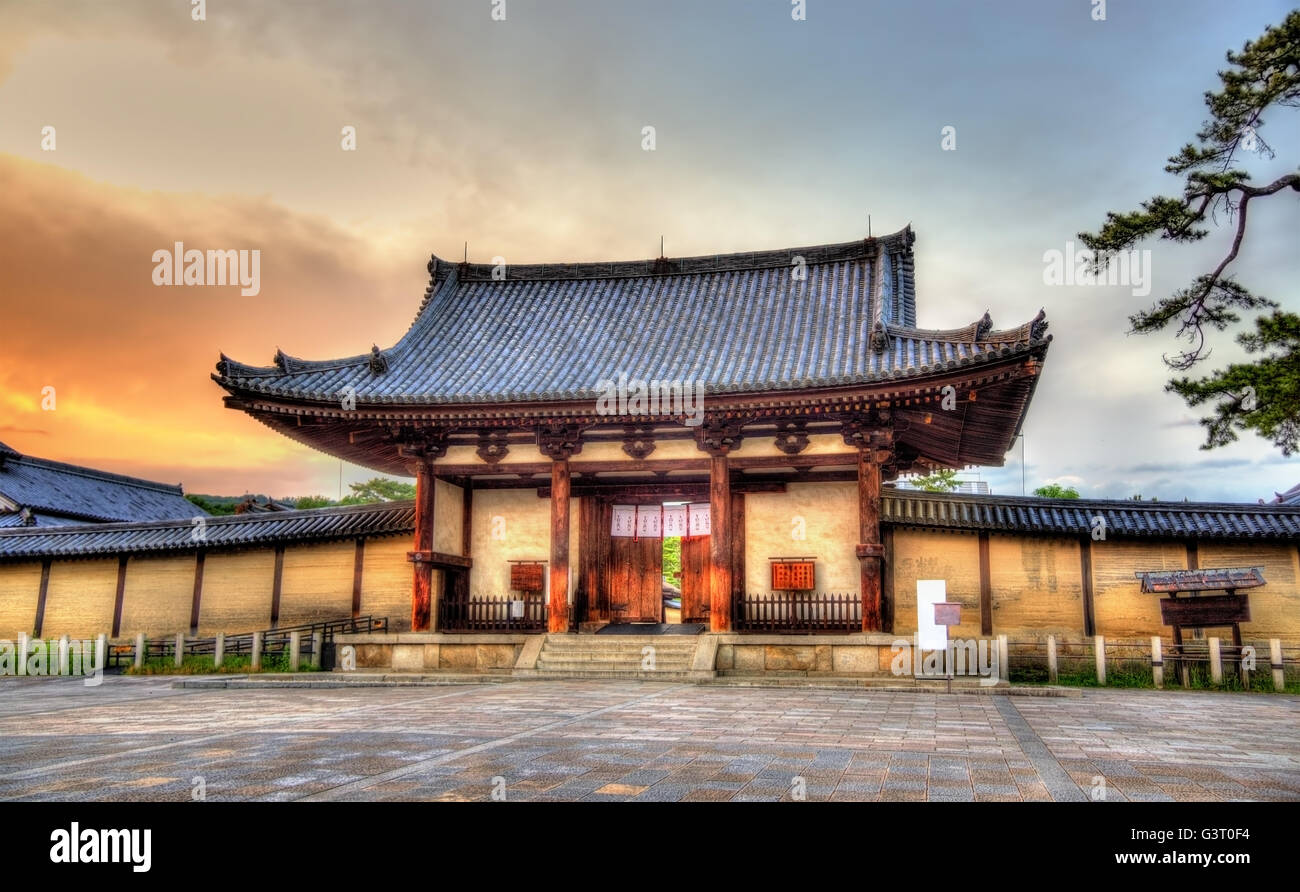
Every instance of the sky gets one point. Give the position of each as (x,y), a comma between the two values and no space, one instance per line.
(522,136)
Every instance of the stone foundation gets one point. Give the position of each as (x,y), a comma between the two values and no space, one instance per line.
(491,654)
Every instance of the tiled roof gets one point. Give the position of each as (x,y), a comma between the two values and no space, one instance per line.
(1123,519)
(215,533)
(739,323)
(936,510)
(1290,497)
(71,493)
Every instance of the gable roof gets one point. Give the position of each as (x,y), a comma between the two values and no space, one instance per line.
(57,492)
(761,322)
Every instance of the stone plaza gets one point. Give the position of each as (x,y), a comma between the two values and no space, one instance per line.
(146,739)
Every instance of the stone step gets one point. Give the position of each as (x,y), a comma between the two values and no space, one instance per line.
(660,651)
(621,665)
(660,675)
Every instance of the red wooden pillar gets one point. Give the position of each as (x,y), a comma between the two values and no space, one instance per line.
(558,618)
(870,548)
(422,586)
(720,594)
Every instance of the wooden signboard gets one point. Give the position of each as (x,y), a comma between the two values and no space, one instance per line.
(947,613)
(1216,610)
(798,575)
(526,577)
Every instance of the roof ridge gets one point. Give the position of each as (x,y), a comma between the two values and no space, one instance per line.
(1114,504)
(830,252)
(95,473)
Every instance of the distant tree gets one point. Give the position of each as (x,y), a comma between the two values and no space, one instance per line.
(942,480)
(1056,491)
(673,560)
(311,502)
(212,505)
(1262,395)
(378,489)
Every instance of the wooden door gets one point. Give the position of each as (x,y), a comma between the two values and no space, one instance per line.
(635,580)
(695,579)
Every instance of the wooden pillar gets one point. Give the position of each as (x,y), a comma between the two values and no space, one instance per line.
(467,517)
(870,548)
(422,570)
(720,594)
(986,587)
(276,580)
(558,612)
(1085,583)
(43,592)
(197,597)
(358,565)
(119,596)
(887,581)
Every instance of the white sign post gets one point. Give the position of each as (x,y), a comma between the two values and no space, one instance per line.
(929,634)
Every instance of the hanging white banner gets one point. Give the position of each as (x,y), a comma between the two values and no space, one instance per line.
(699,519)
(624,521)
(647,521)
(675,521)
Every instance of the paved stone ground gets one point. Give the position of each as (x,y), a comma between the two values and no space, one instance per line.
(616,740)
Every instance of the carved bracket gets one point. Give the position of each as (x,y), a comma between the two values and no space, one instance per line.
(559,442)
(638,443)
(792,437)
(719,436)
(870,550)
(493,445)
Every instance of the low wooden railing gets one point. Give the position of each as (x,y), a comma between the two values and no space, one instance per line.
(493,613)
(797,612)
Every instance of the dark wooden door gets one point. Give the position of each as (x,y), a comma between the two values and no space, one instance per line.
(635,580)
(695,579)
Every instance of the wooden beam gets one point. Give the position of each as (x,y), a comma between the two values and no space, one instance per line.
(720,584)
(638,493)
(1085,578)
(358,565)
(44,591)
(198,592)
(558,620)
(119,596)
(422,571)
(276,581)
(986,588)
(870,548)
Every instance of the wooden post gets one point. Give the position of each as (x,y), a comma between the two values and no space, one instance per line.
(422,570)
(1099,656)
(219,651)
(178,658)
(120,596)
(870,548)
(467,517)
(358,564)
(1276,664)
(40,599)
(255,656)
(1053,670)
(1184,670)
(317,643)
(295,650)
(558,606)
(277,580)
(1157,662)
(139,650)
(1085,584)
(1216,662)
(986,587)
(198,593)
(720,593)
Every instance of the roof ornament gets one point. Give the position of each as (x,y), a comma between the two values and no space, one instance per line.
(1038,327)
(984,326)
(378,361)
(26,518)
(879,337)
(281,361)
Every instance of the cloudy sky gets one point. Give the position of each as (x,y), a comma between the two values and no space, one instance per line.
(523,137)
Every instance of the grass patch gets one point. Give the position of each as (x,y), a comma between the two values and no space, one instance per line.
(1137,674)
(203,665)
